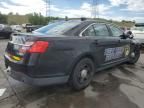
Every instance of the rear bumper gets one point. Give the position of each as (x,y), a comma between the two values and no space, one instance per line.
(19,72)
(38,81)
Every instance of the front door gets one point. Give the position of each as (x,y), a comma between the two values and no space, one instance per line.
(124,44)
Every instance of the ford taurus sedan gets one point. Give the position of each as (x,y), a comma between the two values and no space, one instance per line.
(68,52)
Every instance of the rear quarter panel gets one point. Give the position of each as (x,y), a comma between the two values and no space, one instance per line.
(62,54)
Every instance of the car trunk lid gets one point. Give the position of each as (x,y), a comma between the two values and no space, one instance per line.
(16,43)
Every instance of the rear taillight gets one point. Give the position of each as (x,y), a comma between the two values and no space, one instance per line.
(34,47)
(38,47)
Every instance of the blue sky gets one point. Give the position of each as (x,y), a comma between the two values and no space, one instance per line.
(109,9)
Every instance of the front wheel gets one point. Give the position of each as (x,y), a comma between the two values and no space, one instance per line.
(134,56)
(82,74)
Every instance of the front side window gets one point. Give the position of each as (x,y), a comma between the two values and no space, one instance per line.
(101,30)
(115,31)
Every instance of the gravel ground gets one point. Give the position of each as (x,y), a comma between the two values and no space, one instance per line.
(118,87)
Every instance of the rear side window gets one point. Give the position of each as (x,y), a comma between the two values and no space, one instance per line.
(101,30)
(89,32)
(58,27)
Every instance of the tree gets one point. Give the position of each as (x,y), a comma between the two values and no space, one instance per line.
(17,13)
(38,19)
(10,13)
(3,18)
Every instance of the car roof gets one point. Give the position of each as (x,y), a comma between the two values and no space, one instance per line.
(95,21)
(83,24)
(88,21)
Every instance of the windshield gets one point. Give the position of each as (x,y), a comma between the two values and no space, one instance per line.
(58,27)
(138,28)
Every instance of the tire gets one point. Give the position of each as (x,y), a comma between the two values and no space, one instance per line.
(82,74)
(134,59)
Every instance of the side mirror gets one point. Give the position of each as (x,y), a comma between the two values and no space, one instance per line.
(130,34)
(127,34)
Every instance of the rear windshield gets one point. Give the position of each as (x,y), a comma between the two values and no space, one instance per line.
(58,27)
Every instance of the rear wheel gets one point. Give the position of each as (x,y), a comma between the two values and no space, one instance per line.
(82,74)
(134,56)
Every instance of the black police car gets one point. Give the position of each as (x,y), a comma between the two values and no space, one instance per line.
(68,51)
(5,31)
